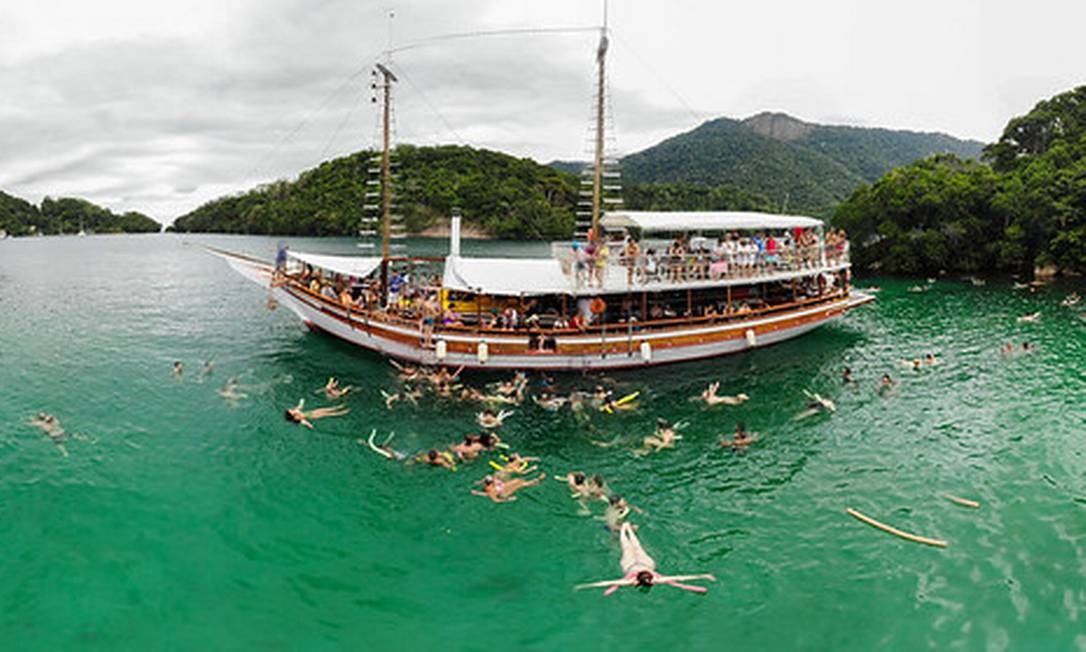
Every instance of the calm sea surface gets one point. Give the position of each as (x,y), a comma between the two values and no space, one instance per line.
(179,521)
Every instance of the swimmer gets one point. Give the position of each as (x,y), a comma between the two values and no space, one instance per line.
(740,440)
(665,437)
(917,288)
(488,419)
(472,445)
(624,404)
(406,372)
(501,491)
(930,359)
(209,368)
(1020,286)
(230,392)
(639,569)
(816,405)
(710,397)
(434,457)
(886,385)
(515,386)
(470,394)
(846,377)
(1008,348)
(515,464)
(1071,300)
(616,512)
(50,425)
(297,415)
(549,401)
(1031,318)
(390,398)
(384,450)
(1027,347)
(333,391)
(178,369)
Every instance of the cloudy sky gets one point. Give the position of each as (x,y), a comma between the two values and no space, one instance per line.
(159,107)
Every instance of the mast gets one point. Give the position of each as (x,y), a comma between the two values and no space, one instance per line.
(597,172)
(387,78)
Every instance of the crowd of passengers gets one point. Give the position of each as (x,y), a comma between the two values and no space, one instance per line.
(699,258)
(417,298)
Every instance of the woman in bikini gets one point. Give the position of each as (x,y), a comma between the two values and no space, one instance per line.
(639,569)
(297,415)
(501,491)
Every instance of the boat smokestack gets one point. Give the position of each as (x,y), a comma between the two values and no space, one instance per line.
(454,233)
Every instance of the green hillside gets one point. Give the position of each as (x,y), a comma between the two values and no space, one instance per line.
(811,167)
(66,215)
(502,195)
(1026,210)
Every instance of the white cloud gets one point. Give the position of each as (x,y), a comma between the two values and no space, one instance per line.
(160,106)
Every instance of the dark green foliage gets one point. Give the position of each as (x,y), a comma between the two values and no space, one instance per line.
(18,216)
(505,196)
(67,215)
(809,168)
(1027,209)
(692,197)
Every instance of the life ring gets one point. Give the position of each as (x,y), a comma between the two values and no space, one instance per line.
(597,306)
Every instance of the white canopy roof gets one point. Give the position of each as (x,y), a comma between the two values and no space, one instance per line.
(676,221)
(506,276)
(357,266)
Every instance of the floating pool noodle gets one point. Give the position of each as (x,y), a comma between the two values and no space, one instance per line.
(965,502)
(938,543)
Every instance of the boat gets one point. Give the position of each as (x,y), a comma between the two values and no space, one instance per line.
(631,289)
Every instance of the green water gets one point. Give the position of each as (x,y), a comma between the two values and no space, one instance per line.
(180,522)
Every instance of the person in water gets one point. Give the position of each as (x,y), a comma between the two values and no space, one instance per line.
(886,385)
(501,491)
(930,359)
(333,390)
(639,569)
(516,464)
(230,392)
(740,440)
(488,419)
(298,415)
(178,369)
(665,437)
(473,445)
(549,401)
(816,405)
(846,377)
(50,425)
(710,397)
(434,457)
(616,512)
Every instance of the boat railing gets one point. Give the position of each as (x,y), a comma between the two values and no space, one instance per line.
(616,270)
(407,318)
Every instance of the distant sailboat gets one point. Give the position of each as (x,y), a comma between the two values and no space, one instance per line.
(81,233)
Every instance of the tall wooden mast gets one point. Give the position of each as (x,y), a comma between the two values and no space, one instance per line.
(597,172)
(387,78)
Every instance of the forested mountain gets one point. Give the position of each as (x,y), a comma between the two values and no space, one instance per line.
(1023,207)
(500,194)
(66,215)
(810,167)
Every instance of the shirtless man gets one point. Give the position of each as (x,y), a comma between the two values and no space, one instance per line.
(230,392)
(297,415)
(501,491)
(665,437)
(178,369)
(333,390)
(549,401)
(886,385)
(50,425)
(740,440)
(488,419)
(710,397)
(639,569)
(516,464)
(472,445)
(434,457)
(846,377)
(816,405)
